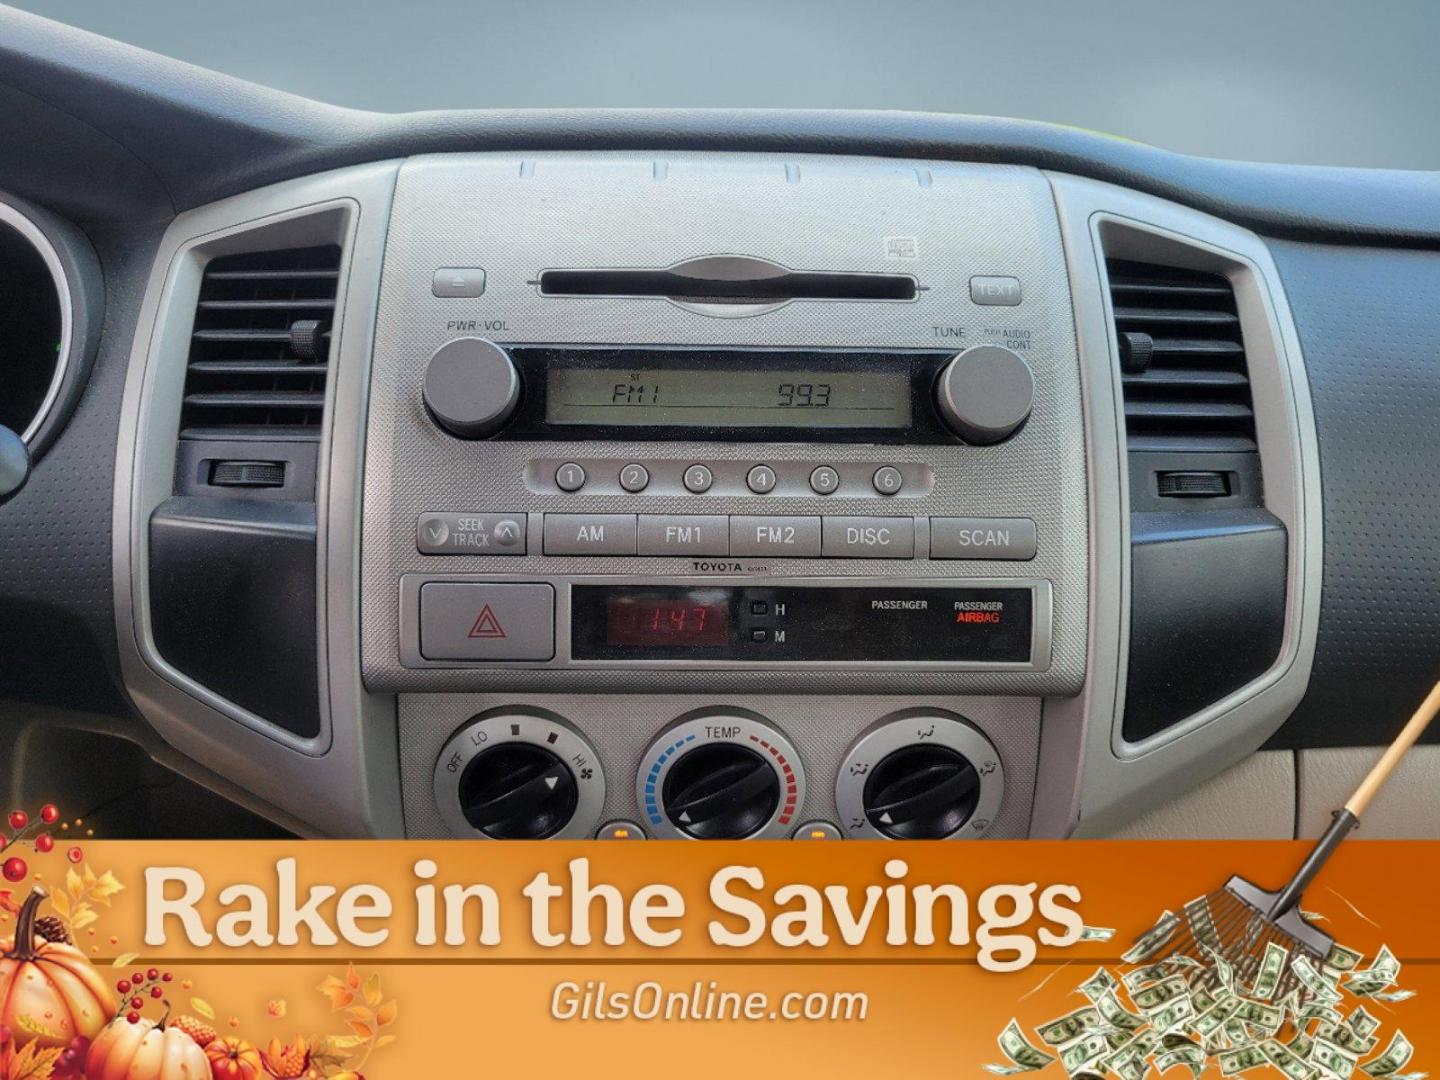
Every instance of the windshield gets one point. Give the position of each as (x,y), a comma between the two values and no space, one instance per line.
(1314,82)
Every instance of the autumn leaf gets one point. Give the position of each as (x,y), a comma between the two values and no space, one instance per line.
(361,1013)
(35,1027)
(203,1007)
(88,876)
(83,917)
(384,1040)
(372,990)
(73,884)
(339,994)
(344,1042)
(61,903)
(386,1013)
(352,977)
(105,888)
(33,1063)
(365,1031)
(124,959)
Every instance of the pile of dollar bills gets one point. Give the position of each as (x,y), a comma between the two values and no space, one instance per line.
(1195,1011)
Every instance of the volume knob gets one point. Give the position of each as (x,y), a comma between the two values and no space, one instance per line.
(471,387)
(985,394)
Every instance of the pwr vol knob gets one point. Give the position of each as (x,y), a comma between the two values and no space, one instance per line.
(471,387)
(721,776)
(519,776)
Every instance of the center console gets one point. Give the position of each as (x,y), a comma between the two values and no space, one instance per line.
(715,496)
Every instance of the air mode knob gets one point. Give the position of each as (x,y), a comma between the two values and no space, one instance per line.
(920,775)
(985,394)
(510,775)
(471,387)
(721,776)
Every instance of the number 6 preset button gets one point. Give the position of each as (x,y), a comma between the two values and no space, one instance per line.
(795,537)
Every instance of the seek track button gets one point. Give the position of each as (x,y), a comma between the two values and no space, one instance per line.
(470,534)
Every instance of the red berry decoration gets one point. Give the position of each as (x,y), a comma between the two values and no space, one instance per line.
(133,1017)
(123,986)
(15,868)
(167,977)
(19,819)
(157,993)
(44,843)
(137,978)
(137,1003)
(152,974)
(75,854)
(49,813)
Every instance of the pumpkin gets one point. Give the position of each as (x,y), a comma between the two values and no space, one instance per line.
(50,984)
(233,1059)
(145,1050)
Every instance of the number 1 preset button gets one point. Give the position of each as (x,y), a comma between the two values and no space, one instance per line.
(793,537)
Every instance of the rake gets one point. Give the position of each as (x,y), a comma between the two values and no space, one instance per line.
(1237,922)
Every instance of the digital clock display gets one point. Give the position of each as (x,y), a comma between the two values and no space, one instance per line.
(716,397)
(682,619)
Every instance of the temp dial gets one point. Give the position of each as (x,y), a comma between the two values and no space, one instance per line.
(985,394)
(519,776)
(920,775)
(471,387)
(721,776)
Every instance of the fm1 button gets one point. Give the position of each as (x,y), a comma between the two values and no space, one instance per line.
(761,479)
(824,480)
(570,477)
(482,621)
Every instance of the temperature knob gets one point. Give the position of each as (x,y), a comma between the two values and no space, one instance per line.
(920,775)
(519,776)
(985,393)
(721,776)
(471,387)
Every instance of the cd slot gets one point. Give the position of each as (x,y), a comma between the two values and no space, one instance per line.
(728,281)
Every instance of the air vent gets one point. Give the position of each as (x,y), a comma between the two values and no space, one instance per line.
(1182,359)
(261,345)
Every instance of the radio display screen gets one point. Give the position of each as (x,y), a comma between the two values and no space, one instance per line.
(693,397)
(676,619)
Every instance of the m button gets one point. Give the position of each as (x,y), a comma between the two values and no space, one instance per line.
(472,621)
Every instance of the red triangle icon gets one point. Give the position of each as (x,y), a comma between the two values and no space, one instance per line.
(487,625)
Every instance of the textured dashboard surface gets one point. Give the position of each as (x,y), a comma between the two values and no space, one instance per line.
(1369,324)
(517,216)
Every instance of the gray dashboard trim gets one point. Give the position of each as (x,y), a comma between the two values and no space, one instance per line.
(171,136)
(1119,779)
(344,782)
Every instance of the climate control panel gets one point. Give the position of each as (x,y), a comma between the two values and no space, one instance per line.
(720,773)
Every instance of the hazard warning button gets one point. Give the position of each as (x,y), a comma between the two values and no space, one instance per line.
(473,621)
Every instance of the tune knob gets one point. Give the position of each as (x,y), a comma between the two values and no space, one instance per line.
(471,387)
(519,776)
(728,776)
(920,775)
(985,393)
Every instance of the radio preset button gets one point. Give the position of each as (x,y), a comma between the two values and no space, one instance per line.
(868,538)
(888,480)
(698,479)
(794,537)
(824,480)
(470,534)
(761,479)
(683,534)
(634,478)
(982,538)
(570,477)
(589,534)
(480,621)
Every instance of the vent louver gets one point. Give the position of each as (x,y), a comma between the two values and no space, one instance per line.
(1182,359)
(260,348)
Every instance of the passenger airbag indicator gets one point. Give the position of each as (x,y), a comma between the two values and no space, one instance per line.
(802,623)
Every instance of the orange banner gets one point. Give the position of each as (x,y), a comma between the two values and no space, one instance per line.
(390,959)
